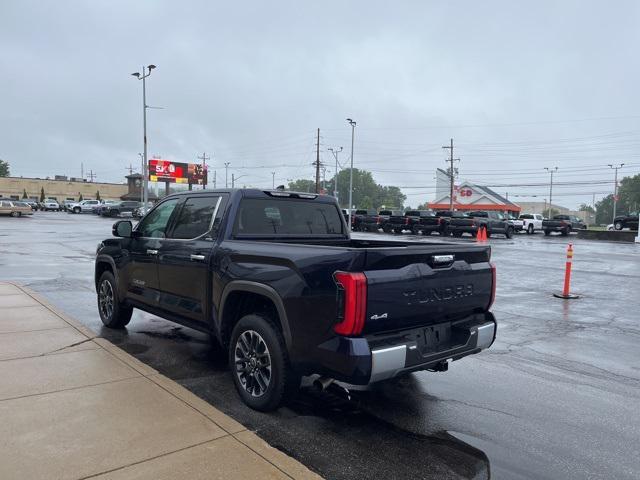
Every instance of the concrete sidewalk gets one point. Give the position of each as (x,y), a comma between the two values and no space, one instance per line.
(75,406)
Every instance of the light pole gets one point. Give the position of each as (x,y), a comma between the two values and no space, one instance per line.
(335,176)
(142,189)
(234,178)
(551,171)
(615,188)
(273,180)
(145,179)
(353,132)
(226,174)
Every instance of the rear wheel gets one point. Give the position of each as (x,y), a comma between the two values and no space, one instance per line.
(530,229)
(508,233)
(76,210)
(457,234)
(415,231)
(15,214)
(112,312)
(566,231)
(260,364)
(618,225)
(547,233)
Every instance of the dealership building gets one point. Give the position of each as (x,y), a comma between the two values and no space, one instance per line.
(468,196)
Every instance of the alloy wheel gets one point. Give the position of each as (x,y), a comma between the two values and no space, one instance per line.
(105,299)
(253,363)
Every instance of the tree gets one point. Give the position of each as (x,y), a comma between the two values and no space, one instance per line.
(98,195)
(586,208)
(303,185)
(24,193)
(628,201)
(80,197)
(42,194)
(4,169)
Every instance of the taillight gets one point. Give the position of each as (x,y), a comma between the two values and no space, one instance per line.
(439,220)
(493,285)
(378,219)
(406,221)
(352,302)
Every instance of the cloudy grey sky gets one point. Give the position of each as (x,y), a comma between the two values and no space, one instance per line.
(519,86)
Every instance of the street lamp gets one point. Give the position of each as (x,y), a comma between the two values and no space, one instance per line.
(615,188)
(234,178)
(273,180)
(353,132)
(551,171)
(335,181)
(145,179)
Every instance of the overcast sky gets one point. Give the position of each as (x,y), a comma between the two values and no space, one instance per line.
(518,86)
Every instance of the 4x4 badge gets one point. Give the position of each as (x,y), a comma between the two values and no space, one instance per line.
(378,317)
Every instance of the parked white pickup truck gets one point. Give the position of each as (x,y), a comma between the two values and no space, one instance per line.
(531,222)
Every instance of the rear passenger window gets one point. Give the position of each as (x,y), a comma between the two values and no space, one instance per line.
(194,219)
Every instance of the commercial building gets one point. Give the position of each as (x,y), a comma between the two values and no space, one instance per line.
(468,196)
(59,188)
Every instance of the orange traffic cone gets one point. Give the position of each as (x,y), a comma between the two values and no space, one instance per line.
(479,235)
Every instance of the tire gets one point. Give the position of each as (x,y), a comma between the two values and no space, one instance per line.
(76,210)
(112,312)
(457,234)
(530,229)
(508,233)
(547,233)
(416,231)
(618,226)
(261,387)
(15,214)
(566,232)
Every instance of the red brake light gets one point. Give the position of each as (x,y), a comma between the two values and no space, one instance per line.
(493,285)
(406,221)
(378,219)
(353,288)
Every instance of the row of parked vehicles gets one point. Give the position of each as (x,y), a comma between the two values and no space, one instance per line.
(447,222)
(106,208)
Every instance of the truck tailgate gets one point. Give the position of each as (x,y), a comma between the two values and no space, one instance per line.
(426,285)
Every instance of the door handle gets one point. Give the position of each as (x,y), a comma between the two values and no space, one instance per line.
(197,258)
(152,252)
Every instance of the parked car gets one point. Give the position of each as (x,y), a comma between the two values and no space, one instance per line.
(66,204)
(564,224)
(425,222)
(363,220)
(50,205)
(518,224)
(531,222)
(494,222)
(98,209)
(15,208)
(85,206)
(626,221)
(117,208)
(279,283)
(139,212)
(32,203)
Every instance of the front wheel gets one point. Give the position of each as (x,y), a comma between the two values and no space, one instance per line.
(509,233)
(617,225)
(260,364)
(112,312)
(15,214)
(76,210)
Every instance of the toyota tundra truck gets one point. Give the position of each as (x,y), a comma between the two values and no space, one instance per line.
(275,278)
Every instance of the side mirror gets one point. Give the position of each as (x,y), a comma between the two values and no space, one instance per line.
(122,228)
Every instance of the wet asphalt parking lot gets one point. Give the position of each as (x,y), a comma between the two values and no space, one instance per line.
(557,396)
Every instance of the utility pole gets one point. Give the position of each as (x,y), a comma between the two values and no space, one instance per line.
(353,133)
(615,187)
(451,173)
(551,171)
(81,170)
(318,163)
(233,180)
(273,180)
(215,184)
(226,174)
(335,176)
(204,159)
(91,176)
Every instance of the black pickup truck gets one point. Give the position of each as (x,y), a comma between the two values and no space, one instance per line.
(276,279)
(626,221)
(418,221)
(364,220)
(494,222)
(564,224)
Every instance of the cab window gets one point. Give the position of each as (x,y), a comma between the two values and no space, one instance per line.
(154,225)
